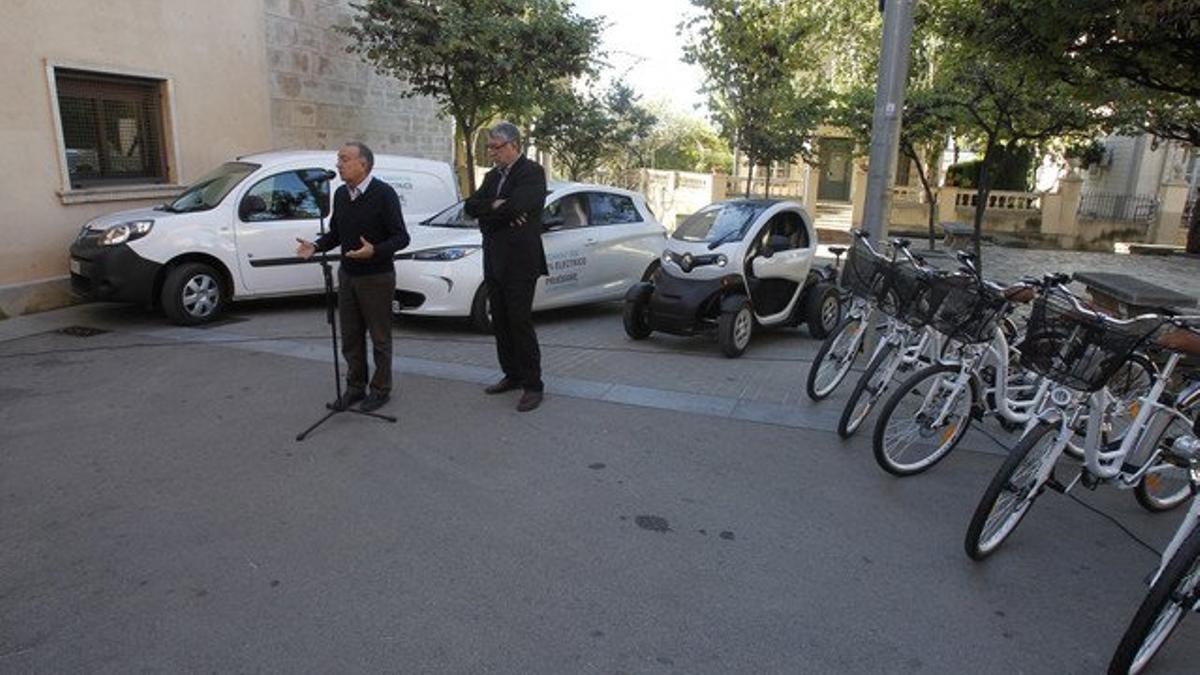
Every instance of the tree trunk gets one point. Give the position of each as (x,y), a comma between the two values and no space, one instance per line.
(468,132)
(981,195)
(1193,234)
(767,184)
(749,177)
(911,153)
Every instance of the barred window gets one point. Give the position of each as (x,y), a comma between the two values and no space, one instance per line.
(112,128)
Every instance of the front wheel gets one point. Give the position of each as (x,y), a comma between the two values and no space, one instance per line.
(1169,599)
(637,326)
(923,420)
(192,294)
(1168,483)
(1014,487)
(481,310)
(868,389)
(734,329)
(837,354)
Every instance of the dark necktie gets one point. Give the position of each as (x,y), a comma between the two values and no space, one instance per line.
(500,183)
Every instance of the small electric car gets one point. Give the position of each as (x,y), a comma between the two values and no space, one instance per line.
(732,266)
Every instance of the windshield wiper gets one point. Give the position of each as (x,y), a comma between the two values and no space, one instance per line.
(728,236)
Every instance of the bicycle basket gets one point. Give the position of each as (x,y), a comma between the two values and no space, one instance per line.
(1078,349)
(964,309)
(914,299)
(864,271)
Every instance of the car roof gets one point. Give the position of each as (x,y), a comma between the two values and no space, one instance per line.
(329,156)
(564,185)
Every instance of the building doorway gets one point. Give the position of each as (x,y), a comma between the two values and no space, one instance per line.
(836,166)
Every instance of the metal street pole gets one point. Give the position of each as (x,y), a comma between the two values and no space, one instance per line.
(889,104)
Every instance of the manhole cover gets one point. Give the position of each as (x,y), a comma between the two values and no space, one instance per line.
(80,331)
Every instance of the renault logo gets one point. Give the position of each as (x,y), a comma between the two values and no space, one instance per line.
(686,262)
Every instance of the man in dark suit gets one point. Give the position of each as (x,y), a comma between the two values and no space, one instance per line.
(369,227)
(509,207)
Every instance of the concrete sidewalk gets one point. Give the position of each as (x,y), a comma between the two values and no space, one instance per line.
(158,516)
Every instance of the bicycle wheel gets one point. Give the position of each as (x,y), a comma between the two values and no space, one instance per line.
(1168,483)
(1012,490)
(908,438)
(868,389)
(835,357)
(1172,596)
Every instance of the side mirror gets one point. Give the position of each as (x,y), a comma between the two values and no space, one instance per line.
(553,223)
(251,206)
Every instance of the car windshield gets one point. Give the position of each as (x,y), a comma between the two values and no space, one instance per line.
(454,216)
(719,222)
(207,192)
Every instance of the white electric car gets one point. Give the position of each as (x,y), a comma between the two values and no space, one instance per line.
(735,265)
(232,234)
(599,241)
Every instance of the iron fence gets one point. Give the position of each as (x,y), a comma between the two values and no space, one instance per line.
(1118,208)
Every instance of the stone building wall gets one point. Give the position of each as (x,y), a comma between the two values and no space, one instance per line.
(322,96)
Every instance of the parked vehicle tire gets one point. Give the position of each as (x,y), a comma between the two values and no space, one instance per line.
(637,325)
(867,390)
(1012,491)
(834,359)
(481,311)
(734,329)
(1167,602)
(906,442)
(822,310)
(193,293)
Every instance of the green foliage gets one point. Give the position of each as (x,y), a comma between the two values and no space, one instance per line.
(752,52)
(476,58)
(1088,152)
(584,130)
(684,143)
(1137,57)
(1011,170)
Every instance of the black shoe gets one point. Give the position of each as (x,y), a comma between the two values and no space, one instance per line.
(507,384)
(529,400)
(375,401)
(349,398)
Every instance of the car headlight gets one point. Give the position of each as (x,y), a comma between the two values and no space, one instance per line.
(666,257)
(119,234)
(444,254)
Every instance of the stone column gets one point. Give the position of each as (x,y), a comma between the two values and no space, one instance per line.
(1172,199)
(812,178)
(946,199)
(858,197)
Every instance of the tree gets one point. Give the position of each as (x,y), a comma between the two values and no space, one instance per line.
(476,58)
(582,130)
(1137,56)
(751,51)
(680,142)
(928,117)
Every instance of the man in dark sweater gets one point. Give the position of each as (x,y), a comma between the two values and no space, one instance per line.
(509,207)
(369,227)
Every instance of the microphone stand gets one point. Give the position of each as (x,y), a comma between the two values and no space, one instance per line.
(331,319)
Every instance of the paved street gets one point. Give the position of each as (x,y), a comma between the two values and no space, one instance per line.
(667,510)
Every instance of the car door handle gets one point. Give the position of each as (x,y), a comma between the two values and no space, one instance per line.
(589,242)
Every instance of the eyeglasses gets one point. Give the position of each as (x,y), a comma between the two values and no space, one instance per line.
(497,146)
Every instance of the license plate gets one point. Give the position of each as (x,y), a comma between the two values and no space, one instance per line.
(76,266)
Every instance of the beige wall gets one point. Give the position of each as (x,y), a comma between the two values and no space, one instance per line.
(212,53)
(321,96)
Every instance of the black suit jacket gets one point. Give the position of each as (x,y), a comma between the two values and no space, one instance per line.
(511,251)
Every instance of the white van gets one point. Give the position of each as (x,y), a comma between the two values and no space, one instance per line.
(232,234)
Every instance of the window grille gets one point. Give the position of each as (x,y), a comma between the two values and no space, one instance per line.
(112,128)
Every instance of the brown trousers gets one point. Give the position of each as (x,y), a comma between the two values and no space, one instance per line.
(365,307)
